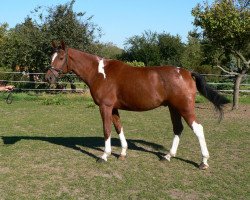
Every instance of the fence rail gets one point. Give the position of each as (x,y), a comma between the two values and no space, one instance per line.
(40,80)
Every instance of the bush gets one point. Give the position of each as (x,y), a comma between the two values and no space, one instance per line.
(136,64)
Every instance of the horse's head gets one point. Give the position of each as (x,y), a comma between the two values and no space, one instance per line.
(59,63)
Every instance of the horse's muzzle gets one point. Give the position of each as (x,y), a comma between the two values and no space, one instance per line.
(51,76)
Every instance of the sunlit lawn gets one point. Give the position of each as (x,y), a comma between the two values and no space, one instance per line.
(49,146)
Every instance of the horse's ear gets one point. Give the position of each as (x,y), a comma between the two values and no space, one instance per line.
(53,44)
(63,45)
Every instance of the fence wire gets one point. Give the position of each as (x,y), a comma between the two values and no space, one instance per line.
(21,80)
(224,84)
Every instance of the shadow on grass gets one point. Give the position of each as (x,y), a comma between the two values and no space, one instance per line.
(95,143)
(187,161)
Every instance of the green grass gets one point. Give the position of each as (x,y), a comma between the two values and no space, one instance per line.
(245,99)
(48,150)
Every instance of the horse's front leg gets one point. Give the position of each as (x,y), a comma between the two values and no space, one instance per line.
(106,113)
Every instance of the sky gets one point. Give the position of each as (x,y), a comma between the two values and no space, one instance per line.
(118,19)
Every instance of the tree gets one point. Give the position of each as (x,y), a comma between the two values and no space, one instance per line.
(29,43)
(195,57)
(225,25)
(171,49)
(107,50)
(3,30)
(24,46)
(154,48)
(19,46)
(62,23)
(192,56)
(143,48)
(3,37)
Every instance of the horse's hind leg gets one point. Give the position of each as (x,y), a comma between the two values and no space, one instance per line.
(119,129)
(177,128)
(198,130)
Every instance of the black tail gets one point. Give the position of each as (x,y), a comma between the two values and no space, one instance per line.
(211,94)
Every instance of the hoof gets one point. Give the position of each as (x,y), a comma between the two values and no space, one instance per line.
(121,157)
(100,160)
(164,159)
(203,166)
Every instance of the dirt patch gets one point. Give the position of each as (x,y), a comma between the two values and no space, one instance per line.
(186,195)
(179,194)
(242,112)
(4,170)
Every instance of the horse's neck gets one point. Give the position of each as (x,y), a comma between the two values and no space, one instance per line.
(84,65)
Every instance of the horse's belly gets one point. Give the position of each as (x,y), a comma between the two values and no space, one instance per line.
(139,101)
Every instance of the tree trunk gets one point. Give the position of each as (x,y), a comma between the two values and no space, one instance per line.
(236,91)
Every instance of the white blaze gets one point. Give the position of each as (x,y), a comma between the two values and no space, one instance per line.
(178,69)
(101,68)
(54,56)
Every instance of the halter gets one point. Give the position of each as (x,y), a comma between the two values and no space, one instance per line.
(9,98)
(59,71)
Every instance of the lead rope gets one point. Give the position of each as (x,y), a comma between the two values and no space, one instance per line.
(9,98)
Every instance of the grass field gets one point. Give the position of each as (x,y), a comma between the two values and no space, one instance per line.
(49,146)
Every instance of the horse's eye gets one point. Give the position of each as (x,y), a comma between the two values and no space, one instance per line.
(61,58)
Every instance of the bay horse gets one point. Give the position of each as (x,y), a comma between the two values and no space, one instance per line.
(115,85)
